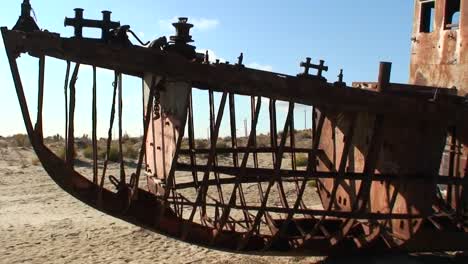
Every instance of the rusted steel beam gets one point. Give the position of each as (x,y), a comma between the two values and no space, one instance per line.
(238,180)
(120,124)
(252,174)
(202,190)
(341,171)
(171,179)
(11,54)
(415,91)
(137,60)
(40,98)
(344,160)
(109,136)
(191,139)
(370,163)
(240,189)
(213,143)
(279,183)
(235,155)
(292,138)
(363,195)
(254,154)
(70,154)
(94,129)
(232,119)
(274,149)
(277,167)
(310,169)
(65,90)
(337,214)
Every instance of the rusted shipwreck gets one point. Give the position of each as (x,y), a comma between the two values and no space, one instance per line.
(389,160)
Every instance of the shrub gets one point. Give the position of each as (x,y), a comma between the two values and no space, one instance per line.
(130,152)
(222,144)
(21,140)
(312,184)
(88,152)
(101,154)
(304,134)
(201,143)
(302,160)
(263,141)
(114,154)
(62,153)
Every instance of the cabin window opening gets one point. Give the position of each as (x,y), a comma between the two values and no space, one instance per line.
(452,14)
(427,17)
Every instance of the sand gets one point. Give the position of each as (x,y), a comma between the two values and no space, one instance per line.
(40,223)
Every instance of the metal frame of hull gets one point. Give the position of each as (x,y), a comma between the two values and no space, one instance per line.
(333,230)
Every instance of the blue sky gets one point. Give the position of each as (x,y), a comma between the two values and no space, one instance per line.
(273,35)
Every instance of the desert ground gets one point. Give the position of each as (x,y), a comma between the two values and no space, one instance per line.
(40,223)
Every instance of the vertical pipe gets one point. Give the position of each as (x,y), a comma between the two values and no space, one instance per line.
(384,76)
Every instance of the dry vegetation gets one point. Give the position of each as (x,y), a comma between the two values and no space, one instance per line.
(132,145)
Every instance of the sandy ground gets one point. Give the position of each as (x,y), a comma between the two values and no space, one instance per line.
(40,223)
